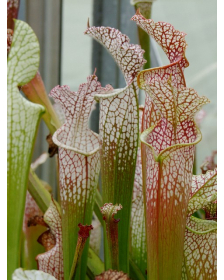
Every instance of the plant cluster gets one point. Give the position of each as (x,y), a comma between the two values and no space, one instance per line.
(144,155)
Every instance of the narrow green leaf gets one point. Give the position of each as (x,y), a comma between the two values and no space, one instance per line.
(94,264)
(23,118)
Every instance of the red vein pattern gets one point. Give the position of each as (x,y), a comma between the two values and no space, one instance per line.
(169,153)
(79,163)
(151,115)
(177,108)
(171,40)
(173,43)
(168,150)
(112,275)
(147,77)
(52,261)
(200,250)
(129,57)
(119,129)
(167,180)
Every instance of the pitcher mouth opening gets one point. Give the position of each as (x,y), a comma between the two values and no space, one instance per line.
(76,150)
(146,132)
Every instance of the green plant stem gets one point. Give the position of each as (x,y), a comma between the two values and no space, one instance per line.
(144,39)
(112,237)
(38,191)
(78,252)
(135,272)
(94,265)
(195,163)
(107,259)
(98,203)
(31,248)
